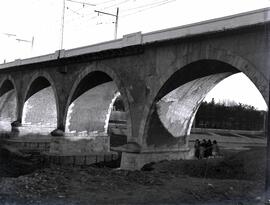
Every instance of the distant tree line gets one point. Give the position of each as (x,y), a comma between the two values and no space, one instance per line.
(229,116)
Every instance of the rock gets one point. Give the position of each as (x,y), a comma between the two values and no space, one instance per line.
(57,132)
(16,124)
(148,167)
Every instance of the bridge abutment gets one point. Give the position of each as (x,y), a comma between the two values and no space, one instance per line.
(135,161)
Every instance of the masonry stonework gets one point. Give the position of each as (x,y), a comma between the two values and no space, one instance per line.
(145,69)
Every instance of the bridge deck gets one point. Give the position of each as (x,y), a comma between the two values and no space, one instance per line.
(246,19)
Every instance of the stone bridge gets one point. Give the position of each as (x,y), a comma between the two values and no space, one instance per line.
(162,77)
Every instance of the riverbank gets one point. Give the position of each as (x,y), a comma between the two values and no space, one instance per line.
(237,177)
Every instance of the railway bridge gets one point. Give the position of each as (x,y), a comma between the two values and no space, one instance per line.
(161,78)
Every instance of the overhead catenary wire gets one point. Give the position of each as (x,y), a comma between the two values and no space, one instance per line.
(117,4)
(82,17)
(138,9)
(80,2)
(111,6)
(105,2)
(145,5)
(116,19)
(75,12)
(63,18)
(85,5)
(149,6)
(169,1)
(69,20)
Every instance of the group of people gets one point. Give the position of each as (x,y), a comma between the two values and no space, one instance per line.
(205,149)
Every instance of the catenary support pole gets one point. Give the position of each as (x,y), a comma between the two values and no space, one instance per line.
(116,23)
(62,25)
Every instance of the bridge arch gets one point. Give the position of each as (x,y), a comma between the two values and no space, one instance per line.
(40,97)
(39,81)
(7,84)
(90,78)
(221,55)
(195,75)
(8,102)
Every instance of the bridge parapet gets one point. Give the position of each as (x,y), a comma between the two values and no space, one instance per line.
(246,19)
(132,39)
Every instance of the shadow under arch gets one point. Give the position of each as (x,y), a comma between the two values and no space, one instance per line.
(8,103)
(194,71)
(6,85)
(92,77)
(39,82)
(88,82)
(191,83)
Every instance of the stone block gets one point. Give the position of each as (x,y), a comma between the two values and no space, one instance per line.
(91,159)
(100,158)
(80,145)
(79,160)
(135,161)
(68,160)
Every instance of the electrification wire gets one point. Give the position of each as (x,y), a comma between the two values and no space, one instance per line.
(89,16)
(75,12)
(93,13)
(145,7)
(104,8)
(117,4)
(142,6)
(83,3)
(169,1)
(105,2)
(87,19)
(94,17)
(107,6)
(85,7)
(149,7)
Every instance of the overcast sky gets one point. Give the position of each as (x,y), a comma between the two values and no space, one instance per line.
(41,19)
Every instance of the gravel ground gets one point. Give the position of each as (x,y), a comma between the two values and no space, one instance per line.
(237,178)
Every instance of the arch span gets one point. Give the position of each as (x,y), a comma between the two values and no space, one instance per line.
(40,107)
(89,108)
(102,84)
(174,107)
(8,103)
(6,85)
(90,104)
(39,81)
